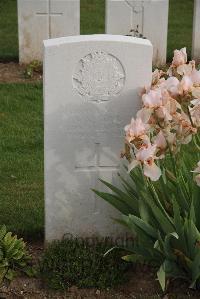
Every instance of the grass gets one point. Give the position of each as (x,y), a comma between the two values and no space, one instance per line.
(8,30)
(92,21)
(180,26)
(76,262)
(21,159)
(92,16)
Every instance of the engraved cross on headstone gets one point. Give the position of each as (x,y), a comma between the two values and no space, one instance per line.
(97,168)
(137,16)
(49,14)
(97,165)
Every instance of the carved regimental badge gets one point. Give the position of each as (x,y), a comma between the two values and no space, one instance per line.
(98,76)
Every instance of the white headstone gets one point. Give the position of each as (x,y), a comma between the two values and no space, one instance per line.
(148,18)
(196,31)
(91,92)
(42,19)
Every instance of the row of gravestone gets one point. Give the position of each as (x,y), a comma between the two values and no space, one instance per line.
(42,19)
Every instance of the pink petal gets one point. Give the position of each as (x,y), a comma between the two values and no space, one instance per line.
(160,140)
(152,171)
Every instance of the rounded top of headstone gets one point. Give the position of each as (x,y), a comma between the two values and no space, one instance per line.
(96,38)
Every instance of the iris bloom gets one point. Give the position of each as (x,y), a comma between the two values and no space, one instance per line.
(145,156)
(136,129)
(180,57)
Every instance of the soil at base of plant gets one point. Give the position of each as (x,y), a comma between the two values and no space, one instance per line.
(13,72)
(141,284)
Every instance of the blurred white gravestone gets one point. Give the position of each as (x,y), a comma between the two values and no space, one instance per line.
(42,19)
(91,86)
(148,18)
(196,31)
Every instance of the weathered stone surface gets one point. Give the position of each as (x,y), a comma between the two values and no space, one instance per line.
(149,18)
(196,31)
(91,92)
(42,19)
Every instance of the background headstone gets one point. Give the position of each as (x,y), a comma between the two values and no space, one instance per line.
(42,19)
(148,17)
(196,31)
(91,92)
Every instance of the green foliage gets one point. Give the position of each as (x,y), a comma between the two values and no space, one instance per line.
(81,263)
(13,255)
(164,217)
(34,67)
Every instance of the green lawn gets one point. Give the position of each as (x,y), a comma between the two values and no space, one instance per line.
(8,30)
(92,21)
(21,158)
(92,16)
(180,26)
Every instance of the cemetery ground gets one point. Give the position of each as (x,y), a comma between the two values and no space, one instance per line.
(21,157)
